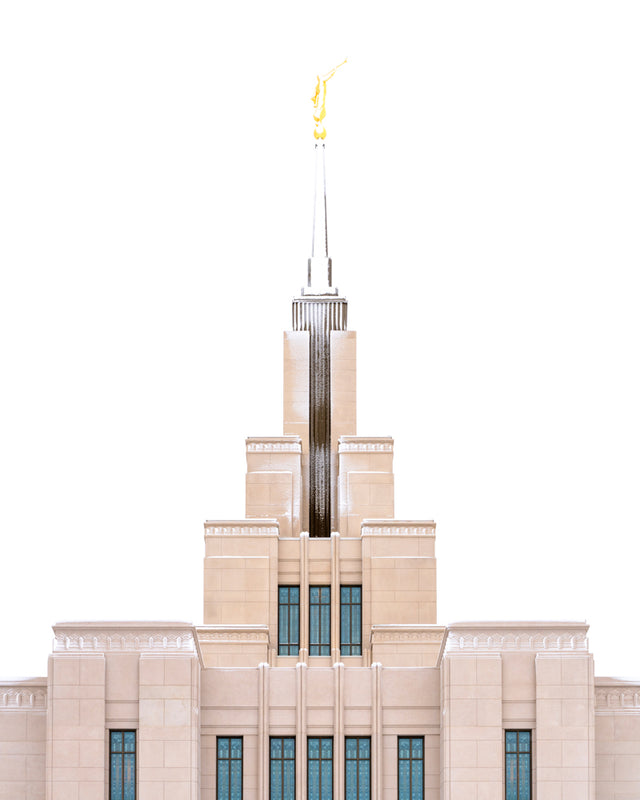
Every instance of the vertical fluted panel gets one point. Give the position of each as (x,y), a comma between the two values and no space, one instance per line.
(319,316)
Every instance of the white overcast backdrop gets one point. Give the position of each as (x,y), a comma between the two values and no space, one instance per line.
(155,219)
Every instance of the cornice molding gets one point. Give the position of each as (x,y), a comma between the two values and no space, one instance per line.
(233,634)
(273,444)
(405,634)
(398,527)
(22,697)
(365,444)
(538,637)
(267,526)
(617,695)
(123,637)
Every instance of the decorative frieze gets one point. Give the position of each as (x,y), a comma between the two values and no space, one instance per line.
(398,527)
(617,696)
(361,444)
(22,697)
(253,527)
(123,638)
(274,444)
(544,637)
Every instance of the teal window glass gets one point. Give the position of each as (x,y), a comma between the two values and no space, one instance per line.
(517,765)
(288,620)
(410,767)
(351,620)
(319,620)
(229,768)
(282,768)
(319,768)
(122,765)
(357,768)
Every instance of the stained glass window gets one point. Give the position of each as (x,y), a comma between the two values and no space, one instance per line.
(288,620)
(351,620)
(122,765)
(319,620)
(410,767)
(282,768)
(320,768)
(229,768)
(517,763)
(358,768)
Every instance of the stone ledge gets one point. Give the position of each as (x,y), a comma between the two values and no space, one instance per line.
(539,636)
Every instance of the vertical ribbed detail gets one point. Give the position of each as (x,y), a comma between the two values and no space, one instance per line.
(319,316)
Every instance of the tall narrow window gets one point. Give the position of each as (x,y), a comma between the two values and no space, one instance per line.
(122,765)
(320,768)
(282,778)
(351,620)
(517,758)
(358,768)
(288,620)
(410,767)
(229,768)
(319,620)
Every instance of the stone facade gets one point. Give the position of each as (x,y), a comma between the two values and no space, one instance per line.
(377,670)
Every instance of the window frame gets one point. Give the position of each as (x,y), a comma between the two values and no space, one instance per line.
(350,644)
(517,753)
(411,759)
(289,645)
(229,760)
(357,761)
(122,753)
(324,636)
(320,760)
(282,761)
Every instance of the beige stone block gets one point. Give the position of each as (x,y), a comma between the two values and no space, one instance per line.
(66,670)
(91,712)
(176,712)
(66,790)
(490,753)
(548,671)
(177,754)
(151,790)
(462,670)
(91,791)
(575,670)
(489,712)
(627,768)
(13,726)
(151,713)
(575,790)
(463,713)
(13,767)
(177,791)
(66,712)
(177,671)
(151,671)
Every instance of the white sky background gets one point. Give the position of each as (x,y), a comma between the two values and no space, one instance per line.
(155,219)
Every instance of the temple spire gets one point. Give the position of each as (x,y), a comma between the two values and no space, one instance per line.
(319,279)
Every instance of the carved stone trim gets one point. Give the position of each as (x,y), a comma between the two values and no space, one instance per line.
(619,696)
(273,444)
(22,697)
(253,527)
(406,634)
(233,634)
(361,444)
(546,638)
(398,527)
(96,639)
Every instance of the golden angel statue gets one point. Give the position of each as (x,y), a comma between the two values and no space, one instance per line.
(319,99)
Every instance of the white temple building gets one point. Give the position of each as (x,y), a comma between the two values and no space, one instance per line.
(320,671)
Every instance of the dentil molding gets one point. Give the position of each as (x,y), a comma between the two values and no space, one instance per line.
(543,637)
(16,697)
(123,637)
